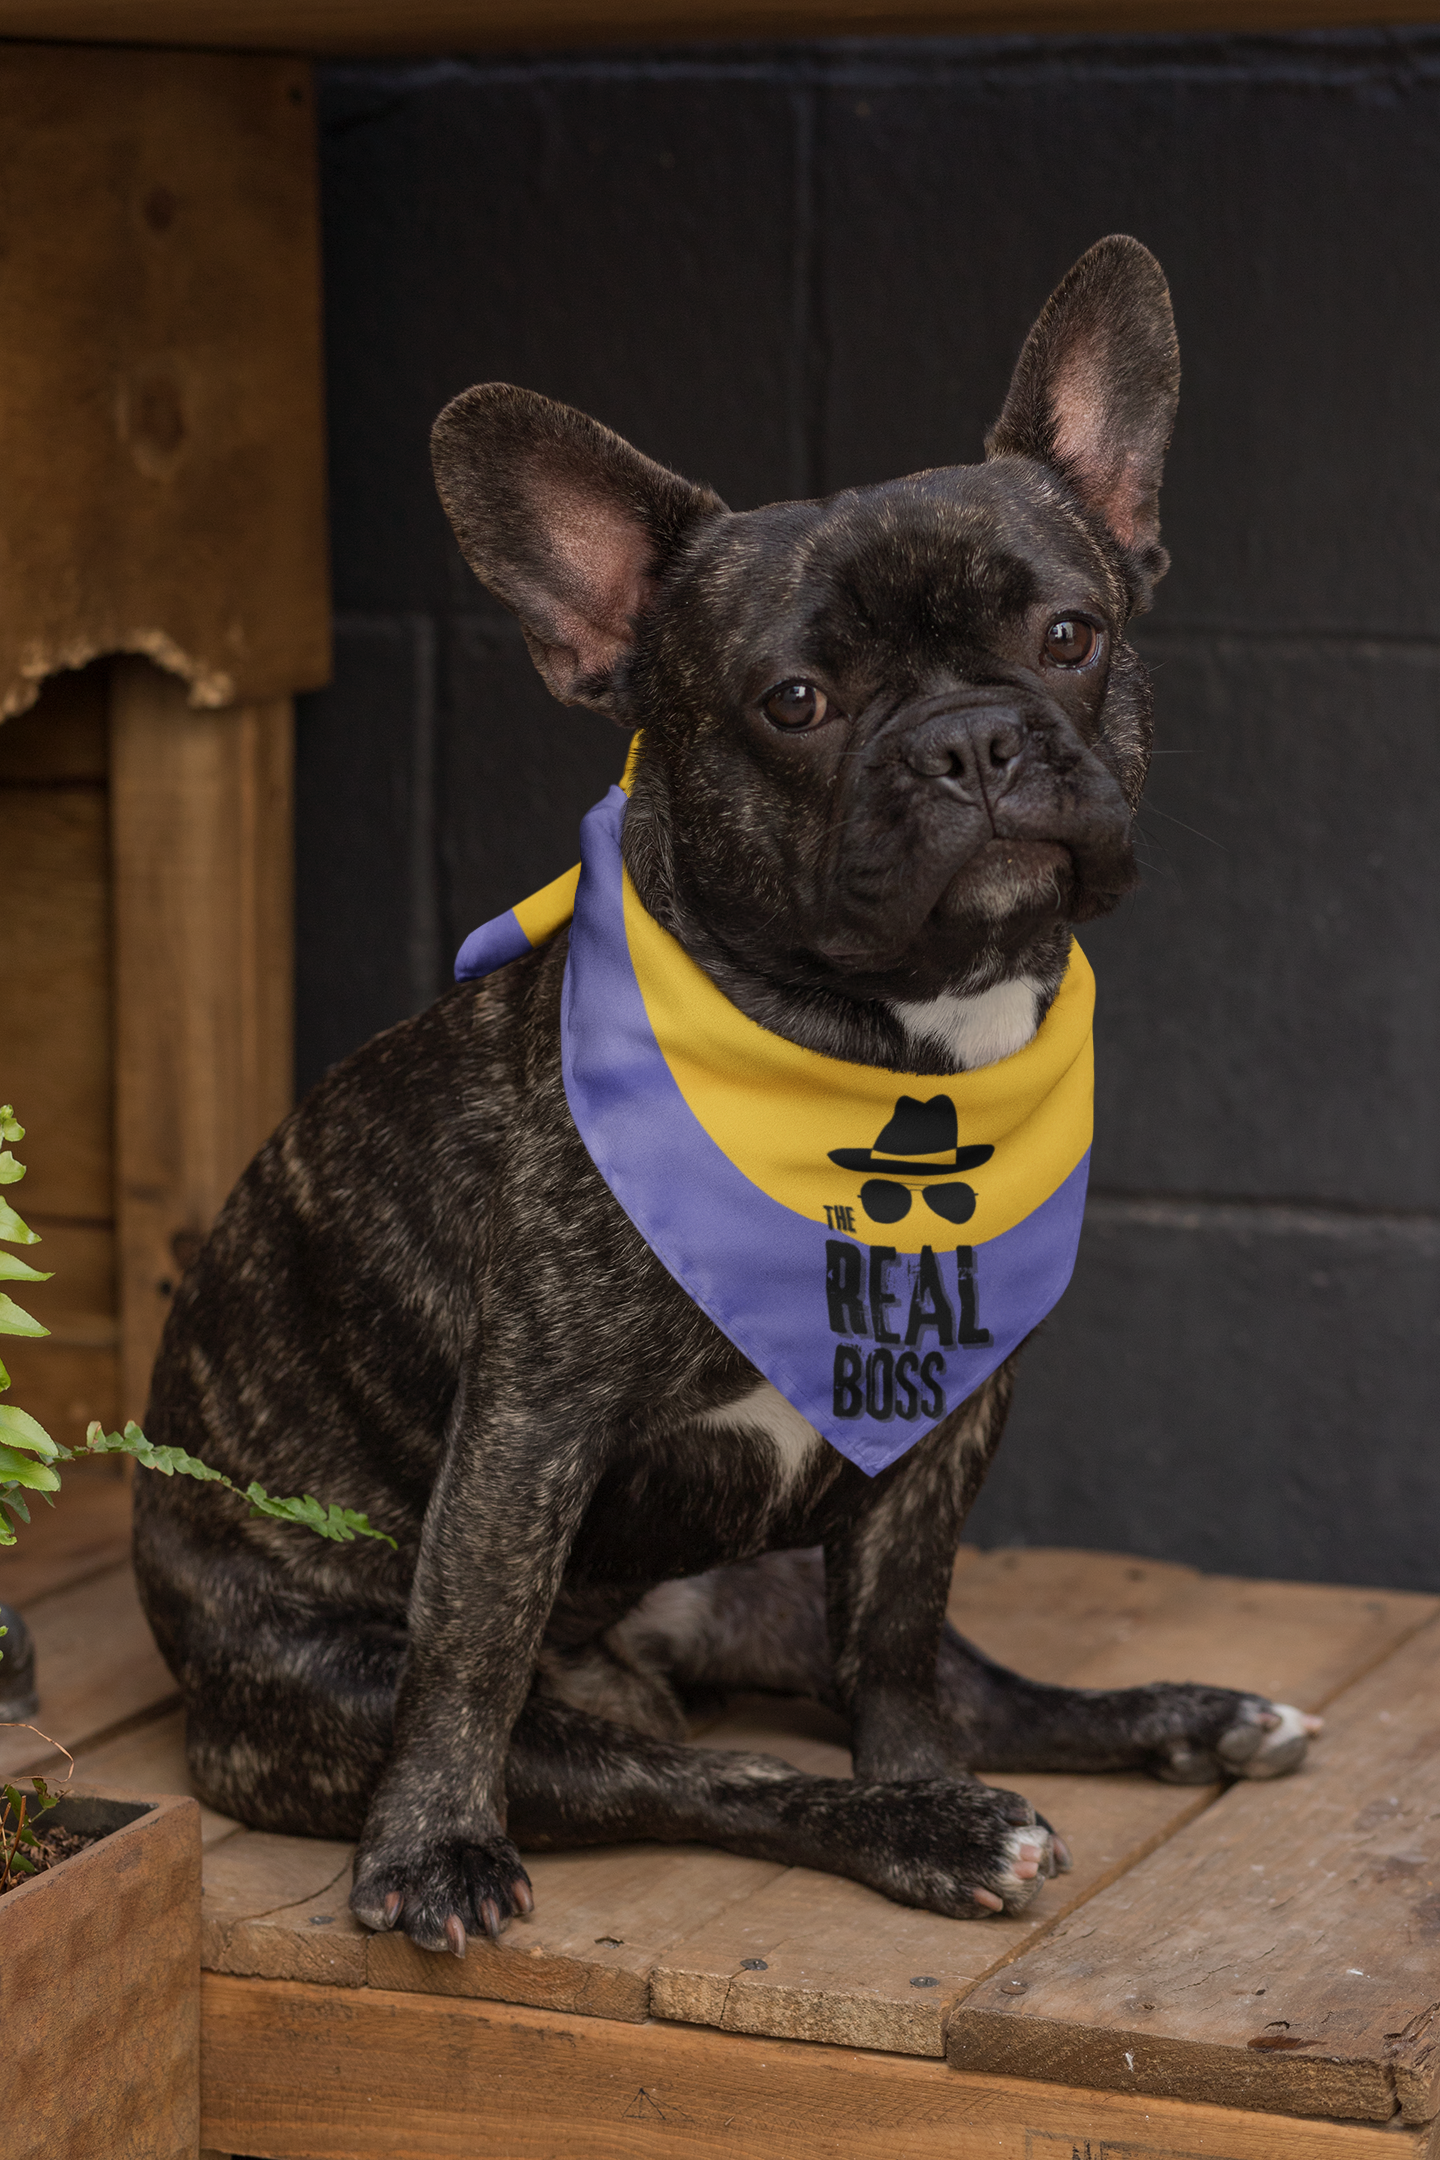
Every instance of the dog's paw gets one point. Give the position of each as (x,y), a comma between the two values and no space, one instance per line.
(959,1848)
(1249,1738)
(441,1891)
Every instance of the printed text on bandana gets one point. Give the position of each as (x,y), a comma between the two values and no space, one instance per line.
(910,1308)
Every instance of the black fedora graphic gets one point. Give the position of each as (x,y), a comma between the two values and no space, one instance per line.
(919,1143)
(920,1139)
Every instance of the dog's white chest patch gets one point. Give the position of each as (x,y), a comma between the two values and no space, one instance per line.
(793,1439)
(979,1030)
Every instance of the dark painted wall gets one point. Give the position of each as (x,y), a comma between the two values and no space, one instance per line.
(786,271)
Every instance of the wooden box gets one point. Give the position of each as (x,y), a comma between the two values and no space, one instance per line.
(100,1988)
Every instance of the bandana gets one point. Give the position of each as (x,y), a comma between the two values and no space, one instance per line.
(876,1243)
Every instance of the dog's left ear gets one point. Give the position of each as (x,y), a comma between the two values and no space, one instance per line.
(1094,394)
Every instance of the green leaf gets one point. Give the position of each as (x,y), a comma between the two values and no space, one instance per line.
(12,1230)
(23,1431)
(9,1129)
(341,1525)
(11,1171)
(167,1460)
(18,1469)
(14,1269)
(17,1505)
(14,1320)
(4,1378)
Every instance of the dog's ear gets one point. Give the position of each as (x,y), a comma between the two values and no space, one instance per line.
(567,525)
(1094,393)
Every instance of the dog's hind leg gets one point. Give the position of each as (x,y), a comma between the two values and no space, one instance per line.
(1187,1734)
(291,1730)
(761,1625)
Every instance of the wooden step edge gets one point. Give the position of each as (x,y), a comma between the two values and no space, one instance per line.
(1155,2066)
(306,2072)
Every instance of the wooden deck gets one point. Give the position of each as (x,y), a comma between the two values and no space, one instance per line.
(1241,1974)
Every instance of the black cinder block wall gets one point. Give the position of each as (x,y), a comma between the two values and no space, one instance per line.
(787,270)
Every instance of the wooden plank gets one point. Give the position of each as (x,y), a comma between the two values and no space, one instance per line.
(99,2001)
(602,1920)
(1048,1612)
(1088,1619)
(97,1667)
(470,25)
(71,1375)
(275,1908)
(86,1532)
(55,893)
(1280,1953)
(202,823)
(323,2073)
(833,1961)
(817,1958)
(150,1758)
(65,736)
(161,428)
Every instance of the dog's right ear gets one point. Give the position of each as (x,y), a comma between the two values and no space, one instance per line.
(567,525)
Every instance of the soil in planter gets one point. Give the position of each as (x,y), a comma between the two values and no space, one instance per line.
(54,1846)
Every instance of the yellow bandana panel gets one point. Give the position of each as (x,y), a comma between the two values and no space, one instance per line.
(909,1158)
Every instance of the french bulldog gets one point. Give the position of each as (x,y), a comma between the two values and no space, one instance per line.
(892,748)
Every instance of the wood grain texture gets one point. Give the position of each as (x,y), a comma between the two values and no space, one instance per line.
(97,1667)
(470,25)
(276,1908)
(71,1375)
(84,1534)
(65,736)
(602,1920)
(161,426)
(201,810)
(55,897)
(149,1757)
(708,1938)
(317,2073)
(1282,1952)
(839,1963)
(1090,1619)
(99,1997)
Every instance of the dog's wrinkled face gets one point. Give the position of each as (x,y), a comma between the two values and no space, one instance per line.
(902,720)
(894,739)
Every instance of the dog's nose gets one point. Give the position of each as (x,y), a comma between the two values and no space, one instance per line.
(978,747)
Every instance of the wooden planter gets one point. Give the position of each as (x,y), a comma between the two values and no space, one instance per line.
(100,1989)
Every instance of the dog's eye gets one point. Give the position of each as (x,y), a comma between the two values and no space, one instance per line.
(1071,642)
(796,705)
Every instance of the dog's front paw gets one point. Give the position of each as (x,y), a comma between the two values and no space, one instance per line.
(1236,1736)
(440,1891)
(962,1848)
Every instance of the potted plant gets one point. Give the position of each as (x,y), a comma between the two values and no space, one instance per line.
(99,1893)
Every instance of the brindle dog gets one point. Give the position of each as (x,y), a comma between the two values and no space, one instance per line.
(894,742)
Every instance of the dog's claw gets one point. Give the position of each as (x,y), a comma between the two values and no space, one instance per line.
(988,1899)
(1064,1858)
(455,1934)
(523,1895)
(490,1918)
(394,1906)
